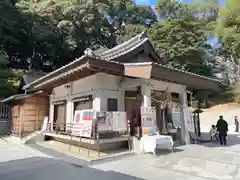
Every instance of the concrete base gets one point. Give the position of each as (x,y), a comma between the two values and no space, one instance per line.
(104,144)
(34,138)
(136,145)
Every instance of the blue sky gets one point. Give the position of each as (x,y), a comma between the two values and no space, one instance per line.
(153,2)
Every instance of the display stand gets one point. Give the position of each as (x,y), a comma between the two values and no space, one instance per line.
(155,143)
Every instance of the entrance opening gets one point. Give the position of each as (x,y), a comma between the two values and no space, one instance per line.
(59,117)
(133,111)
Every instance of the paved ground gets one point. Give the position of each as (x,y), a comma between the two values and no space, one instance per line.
(195,162)
(20,162)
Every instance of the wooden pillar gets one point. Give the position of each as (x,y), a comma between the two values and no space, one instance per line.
(21,121)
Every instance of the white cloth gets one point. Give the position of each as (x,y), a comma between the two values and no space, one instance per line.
(151,143)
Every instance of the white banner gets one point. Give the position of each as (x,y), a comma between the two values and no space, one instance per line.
(82,123)
(103,123)
(119,121)
(45,124)
(190,123)
(111,121)
(148,115)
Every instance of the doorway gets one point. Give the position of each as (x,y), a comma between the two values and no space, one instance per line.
(133,111)
(59,117)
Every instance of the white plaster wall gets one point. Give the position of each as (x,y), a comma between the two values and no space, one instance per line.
(59,92)
(69,111)
(115,94)
(101,86)
(106,81)
(87,86)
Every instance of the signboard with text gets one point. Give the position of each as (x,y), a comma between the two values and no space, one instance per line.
(111,121)
(82,123)
(148,117)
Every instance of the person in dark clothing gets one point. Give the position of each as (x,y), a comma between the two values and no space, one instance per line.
(222,128)
(236,124)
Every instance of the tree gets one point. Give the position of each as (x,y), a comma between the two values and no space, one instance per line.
(227,31)
(129,19)
(182,43)
(129,31)
(9,78)
(171,9)
(126,12)
(228,28)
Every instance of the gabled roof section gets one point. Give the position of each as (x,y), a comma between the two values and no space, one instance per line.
(32,76)
(115,61)
(133,46)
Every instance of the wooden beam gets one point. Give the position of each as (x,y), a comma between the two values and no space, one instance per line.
(128,83)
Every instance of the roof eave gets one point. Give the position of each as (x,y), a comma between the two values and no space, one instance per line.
(75,63)
(149,70)
(191,80)
(90,67)
(13,97)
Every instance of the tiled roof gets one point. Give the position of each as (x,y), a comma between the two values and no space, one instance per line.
(110,55)
(123,48)
(32,76)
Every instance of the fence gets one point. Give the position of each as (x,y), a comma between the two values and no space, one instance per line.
(5,119)
(72,130)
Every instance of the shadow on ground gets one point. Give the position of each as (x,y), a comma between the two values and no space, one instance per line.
(59,155)
(39,168)
(232,140)
(162,152)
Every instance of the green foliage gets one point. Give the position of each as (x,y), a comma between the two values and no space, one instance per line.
(128,31)
(228,28)
(182,42)
(9,78)
(170,9)
(47,34)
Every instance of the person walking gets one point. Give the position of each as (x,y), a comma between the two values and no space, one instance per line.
(236,124)
(222,128)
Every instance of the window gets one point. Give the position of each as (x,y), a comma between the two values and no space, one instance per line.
(175,95)
(83,103)
(112,104)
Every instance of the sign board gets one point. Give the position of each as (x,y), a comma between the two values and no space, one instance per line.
(103,123)
(45,124)
(190,121)
(111,121)
(119,121)
(82,123)
(148,116)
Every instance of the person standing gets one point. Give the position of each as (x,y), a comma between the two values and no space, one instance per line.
(222,128)
(236,124)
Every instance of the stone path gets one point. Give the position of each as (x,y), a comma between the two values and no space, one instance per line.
(20,162)
(194,162)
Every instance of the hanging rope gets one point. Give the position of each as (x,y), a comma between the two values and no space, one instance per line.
(162,103)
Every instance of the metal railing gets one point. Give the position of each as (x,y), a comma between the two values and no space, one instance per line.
(68,128)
